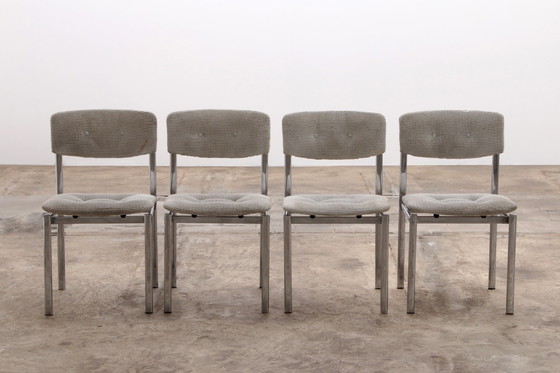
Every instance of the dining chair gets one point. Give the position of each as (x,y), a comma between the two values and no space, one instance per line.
(101,134)
(453,134)
(217,134)
(336,135)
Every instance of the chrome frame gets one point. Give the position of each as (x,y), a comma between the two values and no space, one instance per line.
(381,222)
(150,232)
(170,238)
(493,221)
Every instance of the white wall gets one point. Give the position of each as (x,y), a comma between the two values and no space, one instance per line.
(278,57)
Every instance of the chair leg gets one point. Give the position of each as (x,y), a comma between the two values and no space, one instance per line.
(155,281)
(61,257)
(512,235)
(168,262)
(148,259)
(384,249)
(378,250)
(287,263)
(261,258)
(492,261)
(411,264)
(401,249)
(48,265)
(173,238)
(265,261)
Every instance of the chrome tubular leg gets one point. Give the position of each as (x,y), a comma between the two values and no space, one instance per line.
(287,263)
(492,261)
(265,261)
(155,248)
(168,263)
(174,259)
(401,248)
(61,257)
(149,290)
(48,265)
(384,248)
(411,264)
(378,249)
(261,275)
(511,263)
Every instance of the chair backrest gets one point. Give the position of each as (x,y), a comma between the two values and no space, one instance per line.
(218,133)
(334,134)
(104,133)
(452,134)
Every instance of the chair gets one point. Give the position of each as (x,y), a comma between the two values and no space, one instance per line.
(454,135)
(336,135)
(101,134)
(217,134)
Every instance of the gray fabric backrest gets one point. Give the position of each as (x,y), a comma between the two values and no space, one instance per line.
(334,134)
(218,133)
(452,134)
(103,133)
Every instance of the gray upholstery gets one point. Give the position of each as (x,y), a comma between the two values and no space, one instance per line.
(334,134)
(459,204)
(80,204)
(452,134)
(336,204)
(218,133)
(103,133)
(220,204)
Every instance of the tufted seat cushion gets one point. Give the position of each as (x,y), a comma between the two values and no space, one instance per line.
(336,204)
(99,204)
(218,203)
(459,204)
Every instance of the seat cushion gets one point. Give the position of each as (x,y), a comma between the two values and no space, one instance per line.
(459,204)
(336,204)
(218,203)
(78,204)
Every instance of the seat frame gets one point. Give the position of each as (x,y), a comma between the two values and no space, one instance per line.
(170,236)
(380,220)
(415,219)
(59,221)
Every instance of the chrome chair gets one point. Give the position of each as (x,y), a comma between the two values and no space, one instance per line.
(336,135)
(101,134)
(217,134)
(454,135)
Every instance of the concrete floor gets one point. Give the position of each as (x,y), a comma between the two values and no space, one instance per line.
(460,326)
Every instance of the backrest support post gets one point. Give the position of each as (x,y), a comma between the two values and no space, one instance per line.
(59,175)
(495,173)
(379,174)
(153,174)
(288,178)
(403,177)
(264,174)
(173,171)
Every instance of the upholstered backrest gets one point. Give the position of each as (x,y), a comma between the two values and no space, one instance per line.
(218,133)
(334,134)
(103,133)
(452,134)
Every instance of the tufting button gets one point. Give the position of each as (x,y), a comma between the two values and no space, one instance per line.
(235,133)
(468,134)
(200,134)
(350,134)
(316,135)
(434,134)
(123,133)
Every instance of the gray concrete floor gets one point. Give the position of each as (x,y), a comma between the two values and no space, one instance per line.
(460,326)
